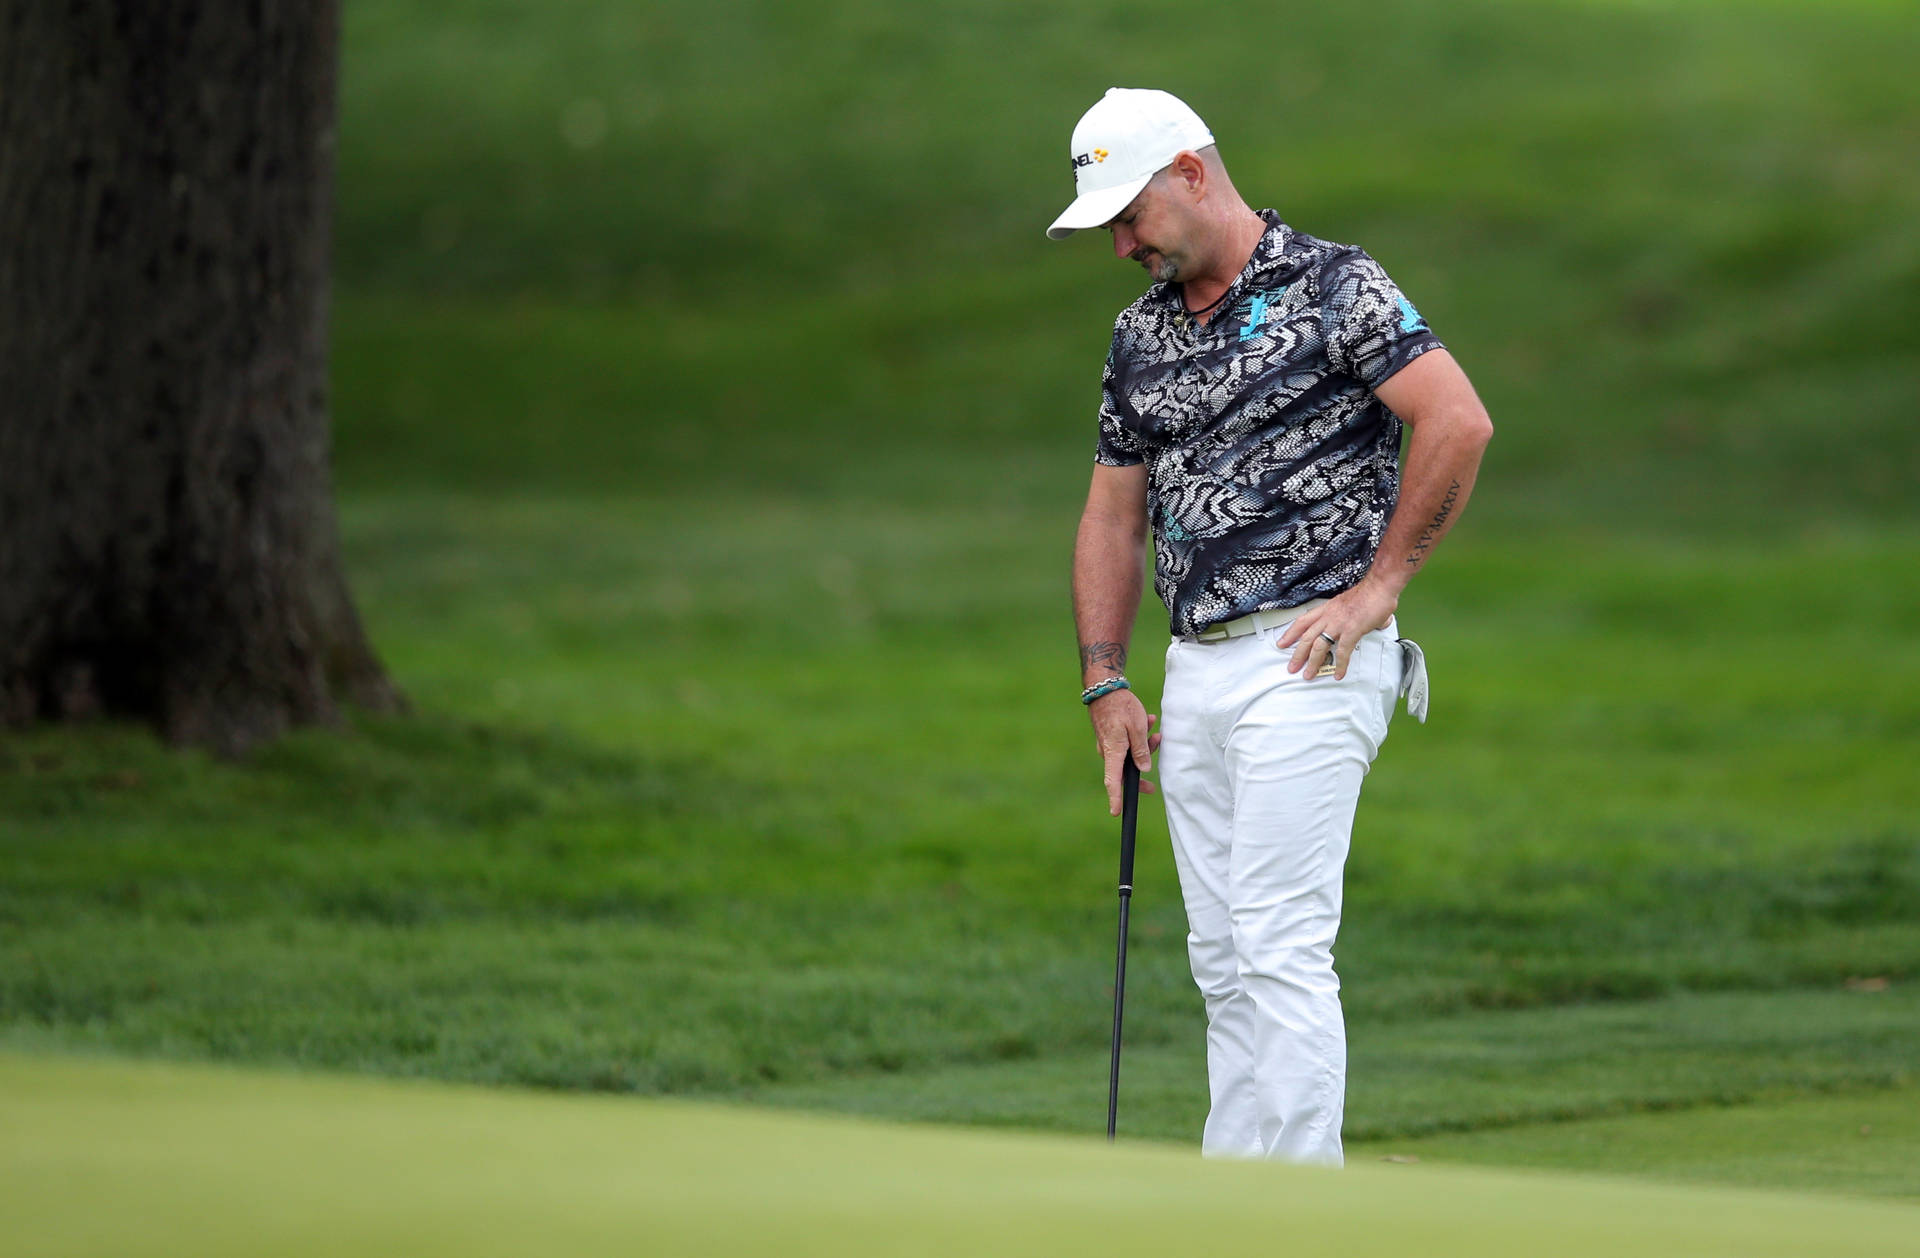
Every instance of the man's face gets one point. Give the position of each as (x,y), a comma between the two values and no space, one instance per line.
(1149,232)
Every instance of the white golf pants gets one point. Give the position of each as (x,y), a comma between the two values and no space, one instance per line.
(1261,770)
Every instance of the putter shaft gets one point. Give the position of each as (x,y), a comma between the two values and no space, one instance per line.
(1129,819)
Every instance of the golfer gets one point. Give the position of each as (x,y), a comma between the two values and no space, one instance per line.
(1251,416)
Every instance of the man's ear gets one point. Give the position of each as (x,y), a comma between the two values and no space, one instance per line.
(1189,172)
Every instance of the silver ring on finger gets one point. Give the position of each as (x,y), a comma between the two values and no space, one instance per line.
(1330,638)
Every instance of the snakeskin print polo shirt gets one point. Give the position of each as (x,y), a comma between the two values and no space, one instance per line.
(1271,466)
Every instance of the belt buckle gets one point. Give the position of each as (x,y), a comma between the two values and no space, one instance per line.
(1220,632)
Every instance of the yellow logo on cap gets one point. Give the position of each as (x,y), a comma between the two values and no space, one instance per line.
(1099,155)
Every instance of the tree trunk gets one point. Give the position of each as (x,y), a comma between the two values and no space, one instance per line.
(168,547)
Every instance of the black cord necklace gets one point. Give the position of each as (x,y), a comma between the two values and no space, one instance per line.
(1195,314)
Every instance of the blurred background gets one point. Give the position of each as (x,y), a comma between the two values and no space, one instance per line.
(711,422)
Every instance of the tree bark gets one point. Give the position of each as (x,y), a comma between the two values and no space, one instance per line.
(168,545)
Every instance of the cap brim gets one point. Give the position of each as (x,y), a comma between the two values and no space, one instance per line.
(1096,208)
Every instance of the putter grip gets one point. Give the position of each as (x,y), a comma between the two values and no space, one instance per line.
(1129,819)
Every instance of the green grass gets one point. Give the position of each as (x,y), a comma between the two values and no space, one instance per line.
(674,845)
(1856,1144)
(1669,242)
(1522,1072)
(711,425)
(143,1160)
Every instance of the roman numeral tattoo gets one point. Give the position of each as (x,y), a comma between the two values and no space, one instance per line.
(1431,533)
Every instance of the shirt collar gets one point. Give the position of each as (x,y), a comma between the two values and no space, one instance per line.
(1268,252)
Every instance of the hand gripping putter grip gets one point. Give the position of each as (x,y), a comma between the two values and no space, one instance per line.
(1129,818)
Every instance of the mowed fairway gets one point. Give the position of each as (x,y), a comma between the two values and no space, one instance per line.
(133,1160)
(1866,1143)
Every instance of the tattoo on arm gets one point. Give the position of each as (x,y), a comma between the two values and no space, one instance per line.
(1106,654)
(1431,533)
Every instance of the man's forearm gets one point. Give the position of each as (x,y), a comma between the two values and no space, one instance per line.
(1448,431)
(1442,463)
(1108,556)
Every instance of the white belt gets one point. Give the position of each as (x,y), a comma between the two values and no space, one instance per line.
(1413,661)
(1258,621)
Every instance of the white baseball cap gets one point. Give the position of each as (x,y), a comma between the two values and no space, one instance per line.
(1128,136)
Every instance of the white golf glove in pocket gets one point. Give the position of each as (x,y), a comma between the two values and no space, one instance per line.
(1413,679)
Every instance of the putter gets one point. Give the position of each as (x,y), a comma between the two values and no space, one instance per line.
(1129,816)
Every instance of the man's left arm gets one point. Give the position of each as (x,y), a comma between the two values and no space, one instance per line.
(1448,429)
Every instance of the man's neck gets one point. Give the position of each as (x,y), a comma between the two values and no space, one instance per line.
(1240,237)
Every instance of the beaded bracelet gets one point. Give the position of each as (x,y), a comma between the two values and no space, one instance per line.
(1107,687)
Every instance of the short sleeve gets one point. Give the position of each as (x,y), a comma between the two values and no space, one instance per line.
(1119,445)
(1371,329)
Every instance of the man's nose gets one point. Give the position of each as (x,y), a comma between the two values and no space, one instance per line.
(1123,242)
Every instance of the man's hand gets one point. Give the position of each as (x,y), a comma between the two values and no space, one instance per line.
(1332,632)
(1122,727)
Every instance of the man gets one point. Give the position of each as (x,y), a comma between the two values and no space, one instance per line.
(1251,416)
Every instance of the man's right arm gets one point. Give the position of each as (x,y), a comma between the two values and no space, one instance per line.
(1109,555)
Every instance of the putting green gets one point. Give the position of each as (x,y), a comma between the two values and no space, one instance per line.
(101,1157)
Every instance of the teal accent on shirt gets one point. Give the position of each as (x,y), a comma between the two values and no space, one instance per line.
(1256,315)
